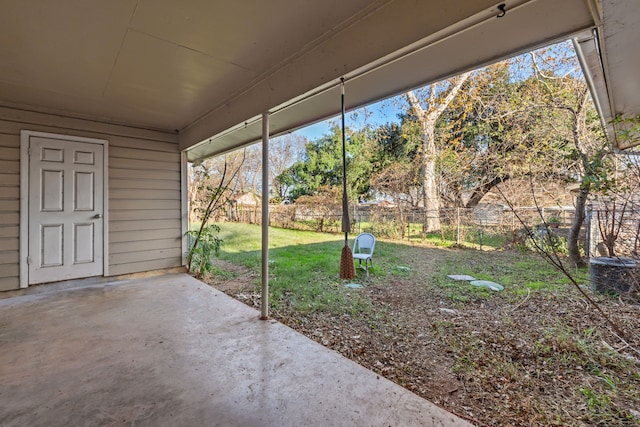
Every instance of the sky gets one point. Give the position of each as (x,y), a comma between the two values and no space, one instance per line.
(375,114)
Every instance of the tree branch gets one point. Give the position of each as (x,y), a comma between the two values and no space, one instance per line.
(554,259)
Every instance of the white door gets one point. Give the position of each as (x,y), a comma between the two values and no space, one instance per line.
(66,222)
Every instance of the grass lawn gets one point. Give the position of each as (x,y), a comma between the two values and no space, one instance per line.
(533,354)
(304,267)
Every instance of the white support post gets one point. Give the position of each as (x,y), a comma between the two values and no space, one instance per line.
(264,314)
(184,205)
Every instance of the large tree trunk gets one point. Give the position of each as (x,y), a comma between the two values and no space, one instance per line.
(401,217)
(579,132)
(430,190)
(481,191)
(574,232)
(436,104)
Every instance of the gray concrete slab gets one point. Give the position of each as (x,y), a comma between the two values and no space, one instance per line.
(172,351)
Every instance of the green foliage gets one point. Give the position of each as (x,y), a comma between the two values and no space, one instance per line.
(628,129)
(598,171)
(321,168)
(545,239)
(398,141)
(511,120)
(596,402)
(553,220)
(203,244)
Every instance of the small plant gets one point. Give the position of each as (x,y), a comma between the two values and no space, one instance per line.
(203,244)
(596,402)
(544,239)
(554,221)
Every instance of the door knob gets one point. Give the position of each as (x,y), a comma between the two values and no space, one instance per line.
(97,216)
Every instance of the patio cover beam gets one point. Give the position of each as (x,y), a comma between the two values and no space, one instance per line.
(480,39)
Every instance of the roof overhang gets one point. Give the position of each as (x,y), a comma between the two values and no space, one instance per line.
(609,59)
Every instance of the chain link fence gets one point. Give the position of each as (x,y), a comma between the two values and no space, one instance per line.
(485,225)
(613,231)
(605,227)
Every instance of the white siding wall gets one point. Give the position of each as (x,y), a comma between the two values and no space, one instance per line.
(144,192)
(9,209)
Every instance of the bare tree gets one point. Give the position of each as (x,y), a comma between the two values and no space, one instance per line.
(394,181)
(249,176)
(567,93)
(283,152)
(211,174)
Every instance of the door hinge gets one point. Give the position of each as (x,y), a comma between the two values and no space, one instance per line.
(28,260)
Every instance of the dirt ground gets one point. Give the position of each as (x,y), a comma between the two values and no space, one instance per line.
(543,359)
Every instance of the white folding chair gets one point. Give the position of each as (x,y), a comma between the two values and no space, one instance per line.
(363,248)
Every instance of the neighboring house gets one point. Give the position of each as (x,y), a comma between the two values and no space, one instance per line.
(103,103)
(246,199)
(244,207)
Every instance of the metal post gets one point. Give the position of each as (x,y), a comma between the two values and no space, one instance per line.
(590,235)
(458,227)
(356,219)
(264,312)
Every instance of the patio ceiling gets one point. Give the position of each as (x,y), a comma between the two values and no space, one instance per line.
(207,70)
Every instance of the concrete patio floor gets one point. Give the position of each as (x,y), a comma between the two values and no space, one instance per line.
(172,351)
